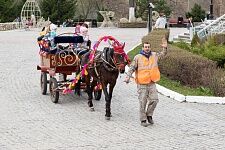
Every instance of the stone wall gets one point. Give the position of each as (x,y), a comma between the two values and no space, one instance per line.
(180,7)
(120,7)
(219,8)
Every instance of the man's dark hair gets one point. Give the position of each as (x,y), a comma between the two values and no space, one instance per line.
(145,43)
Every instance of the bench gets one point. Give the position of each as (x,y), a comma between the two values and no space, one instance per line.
(174,22)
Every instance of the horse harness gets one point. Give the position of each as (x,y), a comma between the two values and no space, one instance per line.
(103,57)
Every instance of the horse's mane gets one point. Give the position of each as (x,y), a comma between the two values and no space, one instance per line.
(107,55)
(101,58)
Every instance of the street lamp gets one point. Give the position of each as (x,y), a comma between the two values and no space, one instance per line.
(150,6)
(211,11)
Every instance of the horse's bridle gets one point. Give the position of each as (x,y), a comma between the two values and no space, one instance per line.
(116,65)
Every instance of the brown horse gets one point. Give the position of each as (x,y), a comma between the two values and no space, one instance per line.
(104,70)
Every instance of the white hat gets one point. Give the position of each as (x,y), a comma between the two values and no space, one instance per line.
(53,27)
(83,30)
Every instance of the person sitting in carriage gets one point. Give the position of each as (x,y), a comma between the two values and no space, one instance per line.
(51,35)
(82,48)
(46,39)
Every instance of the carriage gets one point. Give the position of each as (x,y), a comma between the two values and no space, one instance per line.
(62,61)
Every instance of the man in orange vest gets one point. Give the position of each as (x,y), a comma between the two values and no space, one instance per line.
(145,66)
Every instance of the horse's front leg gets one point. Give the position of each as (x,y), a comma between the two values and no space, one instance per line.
(89,92)
(108,97)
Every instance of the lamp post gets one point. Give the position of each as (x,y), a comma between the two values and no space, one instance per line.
(211,11)
(149,16)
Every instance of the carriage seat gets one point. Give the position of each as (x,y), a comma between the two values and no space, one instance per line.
(75,40)
(82,48)
(68,39)
(64,40)
(47,46)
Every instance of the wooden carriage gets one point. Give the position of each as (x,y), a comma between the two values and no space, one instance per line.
(62,60)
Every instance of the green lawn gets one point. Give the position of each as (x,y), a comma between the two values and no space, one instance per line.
(176,85)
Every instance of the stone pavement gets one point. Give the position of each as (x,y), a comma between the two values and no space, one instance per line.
(30,121)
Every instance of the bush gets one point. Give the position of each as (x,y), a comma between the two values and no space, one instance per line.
(218,83)
(132,24)
(219,39)
(197,13)
(195,41)
(213,48)
(190,69)
(186,67)
(193,70)
(155,38)
(216,53)
(183,45)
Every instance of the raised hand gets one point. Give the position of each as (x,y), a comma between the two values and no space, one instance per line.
(164,43)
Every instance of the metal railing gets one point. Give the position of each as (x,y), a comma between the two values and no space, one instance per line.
(217,26)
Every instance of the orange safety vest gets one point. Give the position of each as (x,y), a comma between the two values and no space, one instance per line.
(147,69)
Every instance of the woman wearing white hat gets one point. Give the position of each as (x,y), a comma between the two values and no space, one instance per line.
(51,35)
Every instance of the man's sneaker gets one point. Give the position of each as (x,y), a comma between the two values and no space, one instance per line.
(144,123)
(149,118)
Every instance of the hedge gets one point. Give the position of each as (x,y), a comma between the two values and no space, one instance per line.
(190,69)
(132,25)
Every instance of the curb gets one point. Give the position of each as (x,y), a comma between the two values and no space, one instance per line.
(171,94)
(191,99)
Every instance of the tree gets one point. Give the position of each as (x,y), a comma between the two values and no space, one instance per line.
(58,9)
(142,8)
(10,9)
(2,6)
(100,7)
(85,7)
(161,6)
(197,13)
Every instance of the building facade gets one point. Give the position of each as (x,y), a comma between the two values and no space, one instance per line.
(180,7)
(218,8)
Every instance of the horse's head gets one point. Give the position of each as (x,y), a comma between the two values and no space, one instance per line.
(120,57)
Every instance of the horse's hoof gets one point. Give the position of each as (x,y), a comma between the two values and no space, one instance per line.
(107,118)
(92,109)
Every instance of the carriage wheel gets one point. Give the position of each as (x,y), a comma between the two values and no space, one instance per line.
(43,83)
(97,94)
(53,92)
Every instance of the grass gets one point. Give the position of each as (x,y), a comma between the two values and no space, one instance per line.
(176,85)
(185,90)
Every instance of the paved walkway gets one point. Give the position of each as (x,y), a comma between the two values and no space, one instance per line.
(30,121)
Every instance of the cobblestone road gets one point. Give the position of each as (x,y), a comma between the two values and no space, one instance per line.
(30,121)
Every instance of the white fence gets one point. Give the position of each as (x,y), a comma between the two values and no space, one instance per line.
(10,26)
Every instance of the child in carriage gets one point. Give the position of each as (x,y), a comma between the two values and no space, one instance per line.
(82,48)
(51,35)
(46,39)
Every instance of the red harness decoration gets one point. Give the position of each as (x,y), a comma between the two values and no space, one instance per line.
(118,48)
